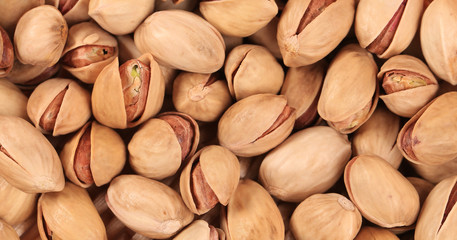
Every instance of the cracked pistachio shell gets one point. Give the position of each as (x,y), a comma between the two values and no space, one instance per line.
(108,98)
(205,97)
(7,231)
(436,173)
(238,18)
(28,76)
(349,87)
(78,13)
(378,136)
(302,88)
(252,214)
(438,216)
(181,40)
(69,214)
(221,171)
(376,19)
(120,17)
(148,207)
(201,230)
(12,101)
(34,169)
(406,103)
(326,216)
(107,154)
(437,30)
(12,11)
(381,193)
(429,136)
(266,37)
(375,233)
(155,149)
(86,34)
(256,124)
(303,46)
(252,69)
(308,162)
(40,36)
(17,206)
(73,112)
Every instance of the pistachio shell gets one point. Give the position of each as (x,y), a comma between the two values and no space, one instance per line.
(147,206)
(34,169)
(326,216)
(199,229)
(7,231)
(108,99)
(69,214)
(375,233)
(245,128)
(238,18)
(181,40)
(422,187)
(73,112)
(16,205)
(266,37)
(380,192)
(11,12)
(436,173)
(40,36)
(12,101)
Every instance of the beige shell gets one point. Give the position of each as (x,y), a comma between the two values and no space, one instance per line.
(11,12)
(302,88)
(266,37)
(28,76)
(436,173)
(436,31)
(378,137)
(381,193)
(16,205)
(107,154)
(252,69)
(120,17)
(155,151)
(375,233)
(89,33)
(34,169)
(350,84)
(40,36)
(407,102)
(200,230)
(308,162)
(147,206)
(69,214)
(238,18)
(438,216)
(74,111)
(319,37)
(205,97)
(221,171)
(373,16)
(7,232)
(108,101)
(78,13)
(181,40)
(433,139)
(12,101)
(252,214)
(326,216)
(243,128)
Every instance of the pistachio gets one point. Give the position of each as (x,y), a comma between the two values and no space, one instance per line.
(27,76)
(7,231)
(11,12)
(6,53)
(12,101)
(436,173)
(184,130)
(17,206)
(86,55)
(200,229)
(375,233)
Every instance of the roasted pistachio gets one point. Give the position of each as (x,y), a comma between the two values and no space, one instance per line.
(7,231)
(201,230)
(6,53)
(17,206)
(375,233)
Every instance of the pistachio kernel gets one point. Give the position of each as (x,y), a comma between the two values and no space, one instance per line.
(450,204)
(7,53)
(184,132)
(135,84)
(285,114)
(407,142)
(66,5)
(315,8)
(86,55)
(81,163)
(204,197)
(49,117)
(399,80)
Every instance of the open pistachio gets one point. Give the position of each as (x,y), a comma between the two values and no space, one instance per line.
(252,214)
(12,101)
(17,206)
(6,53)
(148,207)
(326,216)
(59,106)
(40,36)
(159,147)
(386,28)
(350,91)
(181,40)
(375,233)
(380,192)
(73,204)
(305,28)
(256,124)
(89,49)
(27,76)
(408,83)
(7,231)
(201,230)
(126,96)
(250,70)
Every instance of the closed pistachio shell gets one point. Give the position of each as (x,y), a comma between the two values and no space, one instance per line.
(436,173)
(147,206)
(252,214)
(11,12)
(40,36)
(16,205)
(350,91)
(34,169)
(256,124)
(7,231)
(308,162)
(12,101)
(201,230)
(238,18)
(375,233)
(181,40)
(309,30)
(69,214)
(380,192)
(326,216)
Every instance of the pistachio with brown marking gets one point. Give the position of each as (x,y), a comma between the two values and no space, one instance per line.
(6,53)
(201,230)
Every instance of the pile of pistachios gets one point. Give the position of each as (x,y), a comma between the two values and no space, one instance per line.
(228,119)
